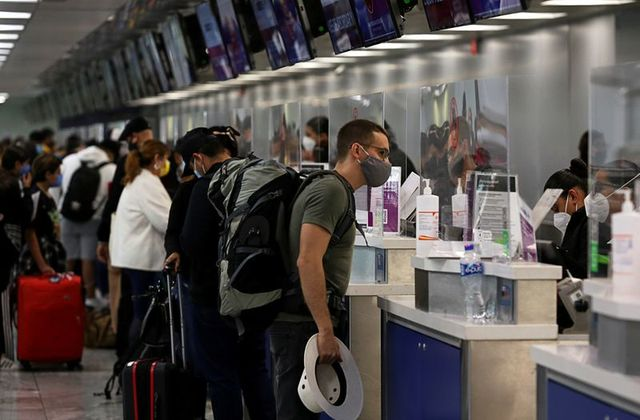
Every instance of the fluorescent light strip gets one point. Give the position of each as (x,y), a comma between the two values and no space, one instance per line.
(7,45)
(531,16)
(9,37)
(586,2)
(395,46)
(11,27)
(336,60)
(478,28)
(362,53)
(427,37)
(18,1)
(3,58)
(15,15)
(5,52)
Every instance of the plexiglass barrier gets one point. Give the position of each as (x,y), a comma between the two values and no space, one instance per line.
(613,147)
(242,120)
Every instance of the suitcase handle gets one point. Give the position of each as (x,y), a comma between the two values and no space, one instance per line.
(58,277)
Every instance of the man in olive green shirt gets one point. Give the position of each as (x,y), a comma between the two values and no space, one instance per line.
(362,154)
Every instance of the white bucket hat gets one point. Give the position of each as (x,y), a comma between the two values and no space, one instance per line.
(335,389)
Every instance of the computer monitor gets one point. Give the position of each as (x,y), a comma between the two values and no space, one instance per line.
(213,42)
(233,36)
(267,21)
(376,21)
(443,14)
(485,9)
(292,30)
(342,25)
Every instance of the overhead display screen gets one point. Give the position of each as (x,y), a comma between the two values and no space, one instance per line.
(485,9)
(376,21)
(268,24)
(232,36)
(292,31)
(213,41)
(342,25)
(443,14)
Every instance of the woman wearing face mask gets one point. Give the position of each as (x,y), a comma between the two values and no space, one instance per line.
(44,253)
(141,219)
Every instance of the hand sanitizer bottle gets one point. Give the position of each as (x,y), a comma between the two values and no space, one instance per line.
(625,249)
(427,220)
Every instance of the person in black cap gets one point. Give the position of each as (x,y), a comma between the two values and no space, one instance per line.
(233,368)
(135,133)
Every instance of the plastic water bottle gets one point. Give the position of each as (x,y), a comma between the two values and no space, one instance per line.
(471,273)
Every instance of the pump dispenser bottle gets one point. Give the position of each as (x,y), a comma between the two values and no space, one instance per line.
(427,220)
(625,227)
(459,206)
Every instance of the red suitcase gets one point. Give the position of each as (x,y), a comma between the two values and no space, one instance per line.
(50,319)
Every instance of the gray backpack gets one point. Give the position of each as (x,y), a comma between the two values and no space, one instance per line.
(253,198)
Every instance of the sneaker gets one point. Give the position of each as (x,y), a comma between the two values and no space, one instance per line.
(7,364)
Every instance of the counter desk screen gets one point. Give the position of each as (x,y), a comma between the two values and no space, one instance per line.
(485,9)
(292,31)
(342,25)
(232,36)
(213,42)
(267,21)
(376,21)
(443,14)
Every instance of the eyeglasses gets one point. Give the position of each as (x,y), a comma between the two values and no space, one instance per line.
(382,152)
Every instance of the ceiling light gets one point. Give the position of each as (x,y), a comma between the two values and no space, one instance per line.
(336,60)
(18,1)
(9,37)
(427,37)
(531,16)
(11,27)
(586,2)
(3,58)
(478,28)
(15,15)
(6,45)
(5,52)
(362,53)
(395,46)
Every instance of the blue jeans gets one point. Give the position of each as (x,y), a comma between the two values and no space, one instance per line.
(233,367)
(288,342)
(140,282)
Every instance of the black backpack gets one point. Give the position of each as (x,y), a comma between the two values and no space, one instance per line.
(78,200)
(253,198)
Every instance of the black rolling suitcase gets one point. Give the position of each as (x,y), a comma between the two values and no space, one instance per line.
(157,389)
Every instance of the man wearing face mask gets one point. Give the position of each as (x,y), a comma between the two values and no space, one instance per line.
(323,262)
(570,218)
(315,143)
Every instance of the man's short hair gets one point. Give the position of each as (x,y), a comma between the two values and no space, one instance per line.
(356,131)
(319,124)
(12,155)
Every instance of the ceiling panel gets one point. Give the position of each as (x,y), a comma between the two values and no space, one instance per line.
(55,27)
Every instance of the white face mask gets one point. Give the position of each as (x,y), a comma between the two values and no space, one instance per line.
(308,143)
(597,207)
(561,219)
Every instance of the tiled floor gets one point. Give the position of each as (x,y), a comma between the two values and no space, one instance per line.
(56,394)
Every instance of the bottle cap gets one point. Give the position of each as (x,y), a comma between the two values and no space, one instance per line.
(459,189)
(627,206)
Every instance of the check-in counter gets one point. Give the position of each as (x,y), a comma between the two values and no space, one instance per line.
(599,379)
(381,269)
(436,364)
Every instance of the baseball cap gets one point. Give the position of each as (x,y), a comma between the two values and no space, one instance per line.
(135,125)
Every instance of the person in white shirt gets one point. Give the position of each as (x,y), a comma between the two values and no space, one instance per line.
(80,238)
(137,234)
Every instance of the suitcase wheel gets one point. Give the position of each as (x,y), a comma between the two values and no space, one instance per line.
(74,365)
(25,365)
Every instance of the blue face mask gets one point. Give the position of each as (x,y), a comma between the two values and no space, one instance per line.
(196,172)
(26,168)
(58,181)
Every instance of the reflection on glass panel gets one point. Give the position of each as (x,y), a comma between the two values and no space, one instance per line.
(395,122)
(613,147)
(343,110)
(242,120)
(284,132)
(463,128)
(315,136)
